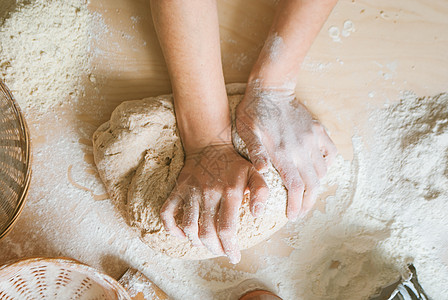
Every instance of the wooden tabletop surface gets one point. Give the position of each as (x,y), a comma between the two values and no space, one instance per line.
(395,46)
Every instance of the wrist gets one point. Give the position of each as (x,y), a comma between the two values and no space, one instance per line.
(269,76)
(202,122)
(277,64)
(260,88)
(210,150)
(195,141)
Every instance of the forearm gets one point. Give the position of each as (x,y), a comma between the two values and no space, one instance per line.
(188,32)
(295,26)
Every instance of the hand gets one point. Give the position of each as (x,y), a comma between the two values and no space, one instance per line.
(277,128)
(210,190)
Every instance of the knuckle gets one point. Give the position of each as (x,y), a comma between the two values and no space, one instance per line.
(209,190)
(231,191)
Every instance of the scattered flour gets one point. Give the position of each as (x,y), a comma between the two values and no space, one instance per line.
(390,209)
(315,66)
(334,33)
(348,28)
(44,50)
(274,45)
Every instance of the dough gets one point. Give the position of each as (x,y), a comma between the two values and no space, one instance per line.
(139,156)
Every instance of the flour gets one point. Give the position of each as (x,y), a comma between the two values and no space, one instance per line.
(348,28)
(334,33)
(274,45)
(45,50)
(390,209)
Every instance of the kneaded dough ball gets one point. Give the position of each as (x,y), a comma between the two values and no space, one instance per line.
(139,155)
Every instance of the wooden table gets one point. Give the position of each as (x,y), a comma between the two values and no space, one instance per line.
(396,46)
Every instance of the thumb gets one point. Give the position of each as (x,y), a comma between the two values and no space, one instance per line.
(255,148)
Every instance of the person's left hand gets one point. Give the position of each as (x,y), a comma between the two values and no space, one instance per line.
(210,189)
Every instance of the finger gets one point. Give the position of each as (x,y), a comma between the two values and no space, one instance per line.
(168,213)
(327,147)
(207,223)
(259,193)
(256,151)
(319,163)
(227,224)
(191,217)
(311,181)
(293,182)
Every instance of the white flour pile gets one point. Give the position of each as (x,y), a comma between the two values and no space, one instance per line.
(44,50)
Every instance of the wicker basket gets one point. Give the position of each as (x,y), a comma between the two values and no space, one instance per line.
(15,165)
(57,278)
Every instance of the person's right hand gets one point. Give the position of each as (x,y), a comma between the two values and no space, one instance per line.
(276,127)
(210,189)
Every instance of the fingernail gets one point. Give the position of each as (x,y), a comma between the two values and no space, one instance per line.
(258,209)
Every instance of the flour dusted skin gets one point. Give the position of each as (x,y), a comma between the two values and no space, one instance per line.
(139,155)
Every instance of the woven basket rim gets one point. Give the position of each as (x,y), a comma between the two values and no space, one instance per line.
(71,264)
(28,157)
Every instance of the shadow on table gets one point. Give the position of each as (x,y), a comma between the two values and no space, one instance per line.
(113,265)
